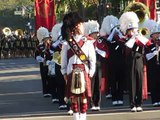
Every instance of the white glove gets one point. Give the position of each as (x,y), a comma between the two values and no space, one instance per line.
(56,43)
(39,59)
(48,62)
(66,99)
(51,68)
(155,52)
(150,56)
(119,33)
(110,37)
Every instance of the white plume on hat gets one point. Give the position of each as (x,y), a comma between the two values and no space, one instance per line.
(127,21)
(42,33)
(152,26)
(91,26)
(108,23)
(56,31)
(86,27)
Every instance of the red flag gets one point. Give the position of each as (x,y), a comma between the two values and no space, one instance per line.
(152,8)
(151,4)
(45,15)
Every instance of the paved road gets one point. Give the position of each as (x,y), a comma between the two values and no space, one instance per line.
(21,97)
(147,115)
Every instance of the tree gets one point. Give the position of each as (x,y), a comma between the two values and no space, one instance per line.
(12,4)
(7,8)
(87,8)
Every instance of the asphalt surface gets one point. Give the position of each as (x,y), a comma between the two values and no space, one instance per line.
(21,97)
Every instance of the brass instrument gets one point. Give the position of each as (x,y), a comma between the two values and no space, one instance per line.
(19,32)
(6,31)
(57,57)
(140,9)
(144,31)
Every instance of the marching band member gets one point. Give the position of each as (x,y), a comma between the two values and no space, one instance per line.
(153,66)
(135,44)
(28,44)
(42,55)
(12,46)
(102,56)
(34,43)
(58,82)
(22,46)
(5,48)
(91,29)
(77,64)
(17,45)
(116,62)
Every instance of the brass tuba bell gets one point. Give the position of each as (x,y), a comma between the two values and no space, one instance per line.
(140,9)
(6,31)
(19,32)
(144,31)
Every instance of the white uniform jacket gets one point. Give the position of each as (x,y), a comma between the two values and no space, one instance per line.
(87,48)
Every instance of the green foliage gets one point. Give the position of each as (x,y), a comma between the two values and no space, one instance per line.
(7,17)
(12,4)
(87,8)
(91,12)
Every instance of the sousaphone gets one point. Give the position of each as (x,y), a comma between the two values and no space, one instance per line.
(144,31)
(6,31)
(19,32)
(140,9)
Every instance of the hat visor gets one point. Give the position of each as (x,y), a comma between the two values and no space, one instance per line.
(154,33)
(46,38)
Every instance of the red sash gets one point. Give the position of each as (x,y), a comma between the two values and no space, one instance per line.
(75,48)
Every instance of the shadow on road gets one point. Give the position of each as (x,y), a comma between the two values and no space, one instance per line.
(21,95)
